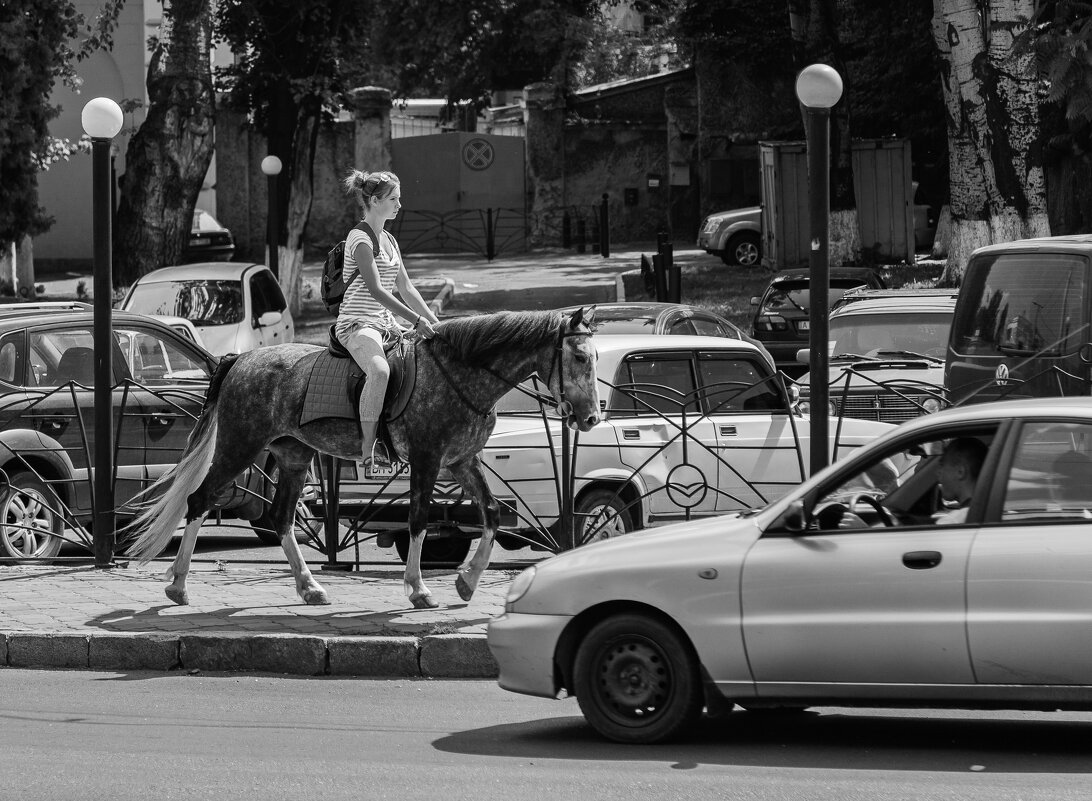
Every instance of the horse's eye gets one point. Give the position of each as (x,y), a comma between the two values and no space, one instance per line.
(580,357)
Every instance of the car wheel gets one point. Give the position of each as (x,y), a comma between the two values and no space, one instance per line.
(600,515)
(744,249)
(30,525)
(636,680)
(436,551)
(263,524)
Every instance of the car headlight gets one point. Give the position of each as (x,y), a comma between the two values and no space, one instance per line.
(520,585)
(805,407)
(931,405)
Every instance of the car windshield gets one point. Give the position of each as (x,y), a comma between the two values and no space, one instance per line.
(789,295)
(864,334)
(203,221)
(202,301)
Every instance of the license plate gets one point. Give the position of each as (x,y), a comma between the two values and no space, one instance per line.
(201,240)
(803,325)
(383,473)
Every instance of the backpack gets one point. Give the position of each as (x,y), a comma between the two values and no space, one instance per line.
(334,282)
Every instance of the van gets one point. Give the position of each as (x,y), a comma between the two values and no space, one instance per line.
(1021,325)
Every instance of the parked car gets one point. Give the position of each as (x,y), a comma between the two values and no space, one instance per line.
(735,236)
(886,353)
(692,426)
(1022,321)
(781,320)
(653,317)
(236,307)
(209,241)
(47,420)
(844,592)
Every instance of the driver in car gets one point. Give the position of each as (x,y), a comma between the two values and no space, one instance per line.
(957,476)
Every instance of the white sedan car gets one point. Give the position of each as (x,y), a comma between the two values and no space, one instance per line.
(854,589)
(235,306)
(692,426)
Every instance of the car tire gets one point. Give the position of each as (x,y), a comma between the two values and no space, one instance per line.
(744,249)
(600,515)
(263,524)
(31,525)
(436,551)
(637,680)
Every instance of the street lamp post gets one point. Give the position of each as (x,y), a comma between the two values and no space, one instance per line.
(271,166)
(819,87)
(102,119)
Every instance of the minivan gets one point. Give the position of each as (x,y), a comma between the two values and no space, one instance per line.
(1021,325)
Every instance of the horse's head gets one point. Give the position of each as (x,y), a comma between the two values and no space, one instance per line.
(574,383)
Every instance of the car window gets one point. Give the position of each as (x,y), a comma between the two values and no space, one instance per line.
(266,294)
(682,327)
(624,325)
(154,360)
(205,302)
(524,398)
(1024,303)
(656,384)
(904,479)
(862,334)
(11,359)
(788,295)
(1051,474)
(58,357)
(709,328)
(733,383)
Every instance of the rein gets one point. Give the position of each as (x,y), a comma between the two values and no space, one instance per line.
(555,362)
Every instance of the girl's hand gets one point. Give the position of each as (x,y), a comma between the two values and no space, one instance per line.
(424,328)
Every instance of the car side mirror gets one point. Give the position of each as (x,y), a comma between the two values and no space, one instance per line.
(269,318)
(755,300)
(791,521)
(803,356)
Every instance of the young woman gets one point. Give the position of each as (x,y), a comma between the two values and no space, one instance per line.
(367,318)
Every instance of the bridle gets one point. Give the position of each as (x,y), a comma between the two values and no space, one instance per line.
(564,408)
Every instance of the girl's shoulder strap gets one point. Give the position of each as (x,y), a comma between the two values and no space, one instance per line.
(367,229)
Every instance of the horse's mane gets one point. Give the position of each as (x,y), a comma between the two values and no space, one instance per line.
(484,336)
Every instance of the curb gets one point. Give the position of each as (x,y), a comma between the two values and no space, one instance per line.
(439,656)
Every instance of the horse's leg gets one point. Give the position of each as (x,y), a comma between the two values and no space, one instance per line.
(290,483)
(422,482)
(228,461)
(471,477)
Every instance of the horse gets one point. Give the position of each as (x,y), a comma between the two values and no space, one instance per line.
(254,401)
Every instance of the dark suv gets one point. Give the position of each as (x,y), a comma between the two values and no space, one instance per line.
(47,420)
(781,320)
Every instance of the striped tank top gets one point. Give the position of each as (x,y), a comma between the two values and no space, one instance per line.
(359,305)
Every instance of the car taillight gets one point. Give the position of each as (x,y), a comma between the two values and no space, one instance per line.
(771,322)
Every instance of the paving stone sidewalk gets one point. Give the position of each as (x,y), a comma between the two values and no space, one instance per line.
(245,618)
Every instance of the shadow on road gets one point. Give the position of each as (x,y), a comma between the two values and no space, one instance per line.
(837,740)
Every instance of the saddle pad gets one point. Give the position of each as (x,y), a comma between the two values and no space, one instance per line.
(326,394)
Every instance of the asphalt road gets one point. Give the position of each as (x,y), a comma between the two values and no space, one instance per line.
(138,736)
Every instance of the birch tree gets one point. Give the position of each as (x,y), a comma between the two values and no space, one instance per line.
(998,192)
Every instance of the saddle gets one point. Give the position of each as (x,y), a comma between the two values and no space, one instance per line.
(336,382)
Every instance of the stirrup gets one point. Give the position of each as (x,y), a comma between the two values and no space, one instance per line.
(378,458)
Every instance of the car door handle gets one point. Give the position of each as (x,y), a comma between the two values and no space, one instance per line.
(162,420)
(52,425)
(630,433)
(728,431)
(921,560)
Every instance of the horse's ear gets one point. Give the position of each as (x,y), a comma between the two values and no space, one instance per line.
(581,316)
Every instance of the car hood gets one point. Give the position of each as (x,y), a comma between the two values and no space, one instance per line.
(219,340)
(657,566)
(868,374)
(735,214)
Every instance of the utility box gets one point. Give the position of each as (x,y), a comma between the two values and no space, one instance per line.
(884,190)
(786,218)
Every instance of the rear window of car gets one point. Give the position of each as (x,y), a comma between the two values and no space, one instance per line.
(797,294)
(202,301)
(1022,303)
(625,325)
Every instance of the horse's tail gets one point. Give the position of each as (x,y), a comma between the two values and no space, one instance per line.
(157,522)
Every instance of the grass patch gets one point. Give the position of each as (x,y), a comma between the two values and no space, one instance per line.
(728,291)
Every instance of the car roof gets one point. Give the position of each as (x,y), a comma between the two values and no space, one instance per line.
(995,410)
(910,302)
(1075,243)
(802,273)
(76,311)
(221,270)
(616,346)
(651,308)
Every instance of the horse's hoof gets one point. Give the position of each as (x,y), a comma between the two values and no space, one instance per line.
(180,597)
(424,601)
(464,588)
(315,597)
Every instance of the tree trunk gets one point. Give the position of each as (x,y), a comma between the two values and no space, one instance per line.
(168,157)
(299,204)
(995,159)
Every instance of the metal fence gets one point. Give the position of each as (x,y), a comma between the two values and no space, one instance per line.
(489,232)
